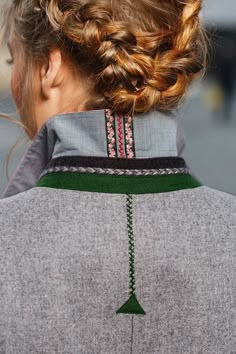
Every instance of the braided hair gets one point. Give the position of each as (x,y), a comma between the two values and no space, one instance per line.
(138,55)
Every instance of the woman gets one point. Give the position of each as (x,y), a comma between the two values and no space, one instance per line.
(108,244)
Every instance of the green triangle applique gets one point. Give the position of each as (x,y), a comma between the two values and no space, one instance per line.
(132,306)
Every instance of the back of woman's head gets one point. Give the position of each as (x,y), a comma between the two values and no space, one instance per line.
(139,55)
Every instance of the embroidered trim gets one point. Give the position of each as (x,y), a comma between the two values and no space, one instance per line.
(111,134)
(119,172)
(132,306)
(129,206)
(124,144)
(121,136)
(129,137)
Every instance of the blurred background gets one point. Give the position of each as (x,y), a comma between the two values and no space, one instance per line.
(208,117)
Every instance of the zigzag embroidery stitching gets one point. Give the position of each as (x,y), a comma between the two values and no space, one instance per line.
(131,242)
(119,172)
(132,305)
(120,136)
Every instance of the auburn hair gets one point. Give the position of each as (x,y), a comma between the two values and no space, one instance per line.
(140,55)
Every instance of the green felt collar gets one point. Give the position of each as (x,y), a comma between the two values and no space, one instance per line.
(118,184)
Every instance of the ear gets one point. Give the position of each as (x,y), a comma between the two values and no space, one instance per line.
(51,73)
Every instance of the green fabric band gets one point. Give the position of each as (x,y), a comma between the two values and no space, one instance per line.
(118,184)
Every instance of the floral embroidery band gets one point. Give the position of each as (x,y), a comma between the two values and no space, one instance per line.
(123,143)
(111,134)
(129,137)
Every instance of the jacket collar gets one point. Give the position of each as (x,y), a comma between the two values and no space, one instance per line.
(84,143)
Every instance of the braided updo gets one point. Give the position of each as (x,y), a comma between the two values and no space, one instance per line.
(140,55)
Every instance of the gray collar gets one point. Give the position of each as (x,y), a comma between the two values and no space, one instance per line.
(96,133)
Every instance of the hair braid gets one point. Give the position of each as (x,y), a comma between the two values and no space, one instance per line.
(176,68)
(139,56)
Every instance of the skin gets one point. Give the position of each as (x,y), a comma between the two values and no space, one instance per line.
(57,87)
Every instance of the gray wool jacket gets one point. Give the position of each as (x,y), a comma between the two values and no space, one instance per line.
(109,244)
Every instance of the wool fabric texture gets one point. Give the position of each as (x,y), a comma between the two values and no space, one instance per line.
(89,267)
